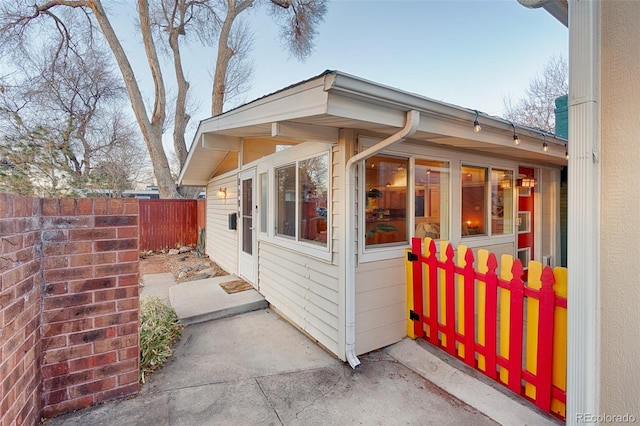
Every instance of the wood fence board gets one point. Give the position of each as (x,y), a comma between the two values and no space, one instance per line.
(167,224)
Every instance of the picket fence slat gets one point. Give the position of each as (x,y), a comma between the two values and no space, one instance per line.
(453,302)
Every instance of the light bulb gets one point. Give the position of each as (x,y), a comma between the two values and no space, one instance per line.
(476,126)
(516,139)
(545,146)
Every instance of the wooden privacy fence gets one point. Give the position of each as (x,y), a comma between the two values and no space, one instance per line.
(170,223)
(514,332)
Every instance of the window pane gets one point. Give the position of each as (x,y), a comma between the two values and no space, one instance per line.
(313,176)
(386,200)
(501,202)
(286,200)
(474,201)
(247,216)
(264,201)
(432,199)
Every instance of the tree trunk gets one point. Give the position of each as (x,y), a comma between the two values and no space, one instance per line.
(222,61)
(151,129)
(182,118)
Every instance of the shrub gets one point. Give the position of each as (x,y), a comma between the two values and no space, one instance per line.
(159,329)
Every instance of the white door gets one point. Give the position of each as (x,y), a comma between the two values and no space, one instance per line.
(246,226)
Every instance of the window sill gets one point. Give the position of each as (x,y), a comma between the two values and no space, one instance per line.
(374,254)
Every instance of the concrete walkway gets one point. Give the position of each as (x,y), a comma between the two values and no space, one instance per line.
(201,300)
(254,368)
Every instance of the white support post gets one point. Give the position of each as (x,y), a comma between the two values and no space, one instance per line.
(584,199)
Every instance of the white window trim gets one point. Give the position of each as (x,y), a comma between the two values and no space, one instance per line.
(391,250)
(455,160)
(289,156)
(489,236)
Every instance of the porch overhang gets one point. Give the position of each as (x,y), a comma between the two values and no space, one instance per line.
(559,9)
(318,108)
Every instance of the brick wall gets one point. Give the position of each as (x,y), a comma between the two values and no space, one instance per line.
(71,270)
(20,301)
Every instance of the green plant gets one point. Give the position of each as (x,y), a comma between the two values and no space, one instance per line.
(159,329)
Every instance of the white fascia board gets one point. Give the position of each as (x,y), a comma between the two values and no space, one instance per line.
(299,131)
(303,100)
(559,9)
(298,102)
(193,182)
(494,132)
(377,99)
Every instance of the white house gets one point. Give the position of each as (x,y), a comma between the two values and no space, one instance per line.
(603,376)
(314,191)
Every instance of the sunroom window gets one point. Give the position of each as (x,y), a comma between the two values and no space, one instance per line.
(501,202)
(312,199)
(487,201)
(386,200)
(286,201)
(302,200)
(431,199)
(474,200)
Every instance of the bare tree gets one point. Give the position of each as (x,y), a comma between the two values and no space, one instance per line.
(536,107)
(122,163)
(173,17)
(60,116)
(299,18)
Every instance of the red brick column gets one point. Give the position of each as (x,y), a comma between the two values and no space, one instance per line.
(20,300)
(90,304)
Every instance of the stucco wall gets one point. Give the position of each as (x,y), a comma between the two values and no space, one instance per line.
(620,279)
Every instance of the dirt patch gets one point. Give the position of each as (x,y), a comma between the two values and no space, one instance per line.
(235,286)
(185,266)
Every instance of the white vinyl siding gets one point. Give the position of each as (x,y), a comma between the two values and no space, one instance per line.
(303,289)
(381,302)
(222,242)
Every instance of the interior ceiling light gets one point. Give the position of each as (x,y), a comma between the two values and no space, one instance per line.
(476,124)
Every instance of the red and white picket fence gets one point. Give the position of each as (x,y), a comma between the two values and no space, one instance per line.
(512,331)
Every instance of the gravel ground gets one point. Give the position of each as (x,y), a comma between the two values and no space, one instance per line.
(186,266)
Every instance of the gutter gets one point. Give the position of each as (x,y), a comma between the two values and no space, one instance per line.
(410,127)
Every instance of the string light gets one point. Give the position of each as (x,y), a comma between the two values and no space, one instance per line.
(566,151)
(545,145)
(476,124)
(516,139)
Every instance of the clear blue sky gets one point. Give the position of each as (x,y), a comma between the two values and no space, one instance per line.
(471,53)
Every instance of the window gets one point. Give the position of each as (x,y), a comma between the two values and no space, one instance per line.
(286,200)
(524,255)
(302,200)
(474,200)
(487,205)
(312,177)
(501,202)
(386,200)
(264,201)
(524,222)
(431,199)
